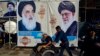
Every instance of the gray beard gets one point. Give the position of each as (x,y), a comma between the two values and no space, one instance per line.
(29,24)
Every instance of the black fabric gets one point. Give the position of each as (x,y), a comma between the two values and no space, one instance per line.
(12,13)
(90,47)
(61,36)
(48,39)
(13,37)
(10,3)
(72,30)
(66,5)
(1,39)
(65,46)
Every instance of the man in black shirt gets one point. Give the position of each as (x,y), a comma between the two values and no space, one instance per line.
(60,35)
(11,11)
(46,42)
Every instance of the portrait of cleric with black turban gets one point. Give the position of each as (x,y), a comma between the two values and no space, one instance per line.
(26,10)
(69,24)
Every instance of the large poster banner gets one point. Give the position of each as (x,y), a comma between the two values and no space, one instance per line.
(37,17)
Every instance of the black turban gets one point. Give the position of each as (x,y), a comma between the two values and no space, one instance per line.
(66,5)
(11,4)
(22,4)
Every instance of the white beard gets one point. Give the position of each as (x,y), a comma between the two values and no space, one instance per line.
(67,24)
(29,24)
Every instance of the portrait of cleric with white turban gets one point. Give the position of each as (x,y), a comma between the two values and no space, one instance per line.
(26,10)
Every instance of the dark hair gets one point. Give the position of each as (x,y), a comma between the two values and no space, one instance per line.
(11,4)
(22,4)
(58,27)
(66,5)
(44,34)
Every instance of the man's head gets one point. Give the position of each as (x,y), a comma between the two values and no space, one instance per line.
(10,6)
(67,10)
(45,35)
(58,28)
(26,10)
